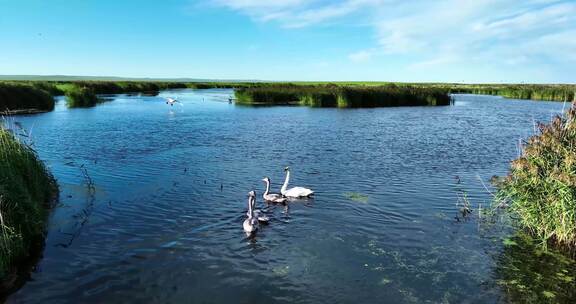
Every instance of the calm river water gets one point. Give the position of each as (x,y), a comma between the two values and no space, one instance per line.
(163,223)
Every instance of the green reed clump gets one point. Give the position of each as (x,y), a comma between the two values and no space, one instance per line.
(16,96)
(26,191)
(541,185)
(107,87)
(225,85)
(331,95)
(81,97)
(392,96)
(119,87)
(319,99)
(48,86)
(270,95)
(552,92)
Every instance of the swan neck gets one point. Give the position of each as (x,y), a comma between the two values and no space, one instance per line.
(267,187)
(285,186)
(250,210)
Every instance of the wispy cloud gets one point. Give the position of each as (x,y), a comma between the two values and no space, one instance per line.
(440,32)
(361,56)
(298,13)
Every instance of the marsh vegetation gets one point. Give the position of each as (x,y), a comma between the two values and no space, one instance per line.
(541,185)
(343,96)
(34,95)
(532,274)
(27,190)
(24,97)
(522,91)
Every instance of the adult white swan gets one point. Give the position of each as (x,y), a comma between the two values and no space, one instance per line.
(272,197)
(251,223)
(294,192)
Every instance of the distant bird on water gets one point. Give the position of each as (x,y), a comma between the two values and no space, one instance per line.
(171,101)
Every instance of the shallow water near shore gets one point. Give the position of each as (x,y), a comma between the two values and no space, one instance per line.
(153,198)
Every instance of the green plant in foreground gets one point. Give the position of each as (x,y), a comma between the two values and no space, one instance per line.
(26,189)
(541,185)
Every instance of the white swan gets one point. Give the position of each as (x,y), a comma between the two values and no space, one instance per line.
(272,197)
(251,223)
(294,192)
(171,101)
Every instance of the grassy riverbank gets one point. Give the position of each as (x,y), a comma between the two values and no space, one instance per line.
(24,98)
(541,186)
(26,191)
(343,96)
(522,91)
(35,96)
(546,92)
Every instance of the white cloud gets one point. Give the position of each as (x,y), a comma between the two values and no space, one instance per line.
(298,13)
(360,56)
(551,16)
(437,33)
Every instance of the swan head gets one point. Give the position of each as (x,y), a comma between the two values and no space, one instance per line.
(252,193)
(266,179)
(286,169)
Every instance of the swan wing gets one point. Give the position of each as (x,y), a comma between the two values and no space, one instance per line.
(272,196)
(261,216)
(248,226)
(298,192)
(275,197)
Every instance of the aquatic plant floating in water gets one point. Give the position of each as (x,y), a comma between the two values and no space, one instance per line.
(357,197)
(281,270)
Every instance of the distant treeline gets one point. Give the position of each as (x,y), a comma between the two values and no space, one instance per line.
(342,96)
(36,96)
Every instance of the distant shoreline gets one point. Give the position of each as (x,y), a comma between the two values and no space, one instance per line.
(208,80)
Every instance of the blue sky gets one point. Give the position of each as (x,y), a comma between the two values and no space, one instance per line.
(385,40)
